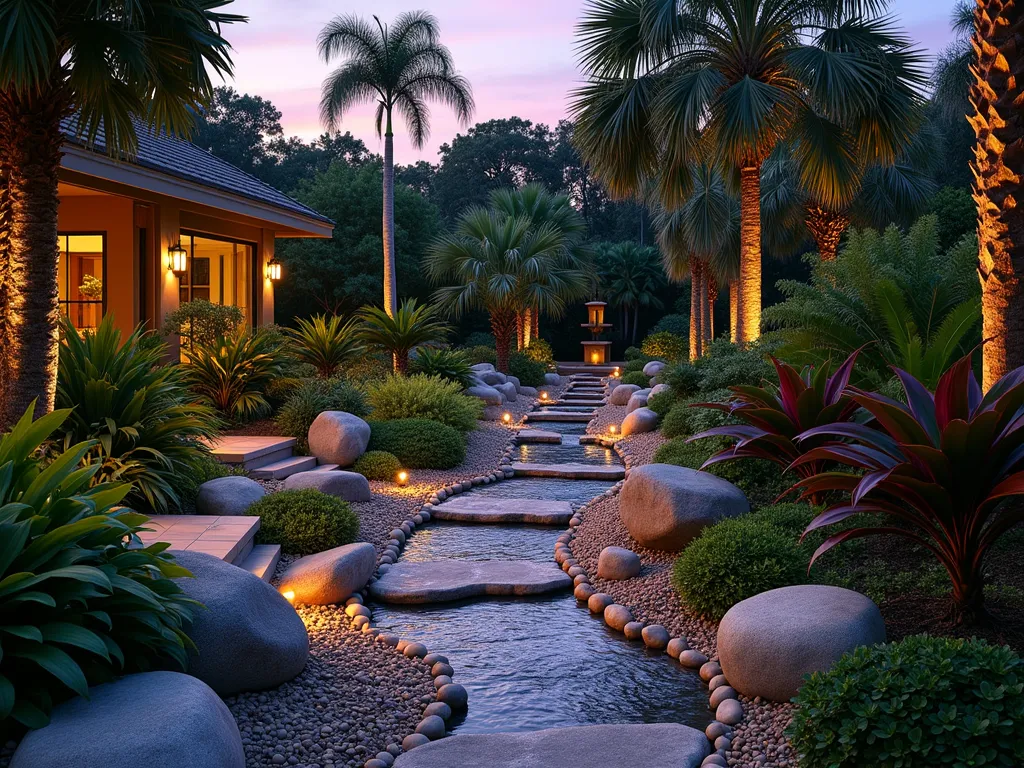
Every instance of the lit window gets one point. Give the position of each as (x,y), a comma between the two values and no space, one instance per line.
(80,276)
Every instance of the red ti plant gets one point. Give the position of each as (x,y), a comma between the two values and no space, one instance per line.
(773,417)
(937,470)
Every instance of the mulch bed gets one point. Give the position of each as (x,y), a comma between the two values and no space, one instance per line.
(263,427)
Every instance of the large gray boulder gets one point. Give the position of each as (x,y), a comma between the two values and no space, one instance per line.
(149,720)
(621,394)
(337,437)
(639,421)
(653,368)
(248,637)
(637,400)
(330,577)
(493,378)
(527,391)
(508,389)
(665,507)
(350,486)
(769,642)
(487,393)
(656,745)
(514,380)
(482,367)
(552,379)
(228,496)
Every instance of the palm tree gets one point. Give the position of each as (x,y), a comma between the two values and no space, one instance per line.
(112,63)
(398,67)
(502,265)
(672,84)
(629,276)
(400,333)
(998,122)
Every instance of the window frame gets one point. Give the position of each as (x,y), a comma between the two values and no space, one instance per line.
(253,315)
(62,251)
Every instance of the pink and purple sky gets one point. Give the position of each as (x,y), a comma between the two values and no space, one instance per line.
(517,54)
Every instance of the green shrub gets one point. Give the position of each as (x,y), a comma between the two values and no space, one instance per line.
(326,343)
(678,325)
(636,364)
(413,325)
(632,353)
(202,468)
(449,364)
(424,397)
(201,322)
(540,351)
(479,354)
(419,443)
(733,560)
(666,346)
(921,702)
(233,374)
(636,377)
(147,427)
(77,606)
(311,398)
(791,517)
(304,522)
(481,339)
(662,402)
(685,379)
(529,372)
(372,366)
(727,365)
(378,465)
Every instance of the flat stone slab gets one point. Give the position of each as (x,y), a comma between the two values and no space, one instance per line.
(535,436)
(569,471)
(657,745)
(440,581)
(466,509)
(559,416)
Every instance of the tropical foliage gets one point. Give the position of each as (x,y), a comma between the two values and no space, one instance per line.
(143,423)
(232,374)
(450,364)
(202,322)
(400,332)
(78,606)
(423,397)
(419,443)
(311,398)
(326,343)
(629,277)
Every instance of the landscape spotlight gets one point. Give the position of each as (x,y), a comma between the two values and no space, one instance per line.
(289,595)
(402,478)
(612,429)
(506,417)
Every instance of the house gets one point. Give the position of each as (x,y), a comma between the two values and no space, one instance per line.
(175,223)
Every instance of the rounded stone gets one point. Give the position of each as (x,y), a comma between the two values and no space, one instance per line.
(653,368)
(716,730)
(639,420)
(692,659)
(769,642)
(348,486)
(389,640)
(356,598)
(330,577)
(336,437)
(621,394)
(373,762)
(729,712)
(723,742)
(655,636)
(454,695)
(717,682)
(432,727)
(581,578)
(616,563)
(360,621)
(228,496)
(633,630)
(398,535)
(357,609)
(710,670)
(441,680)
(676,646)
(576,570)
(414,740)
(617,616)
(441,668)
(438,708)
(598,601)
(583,592)
(637,400)
(433,658)
(402,645)
(716,760)
(386,757)
(414,650)
(721,694)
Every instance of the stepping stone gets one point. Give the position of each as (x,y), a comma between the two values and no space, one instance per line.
(570,471)
(439,581)
(559,416)
(658,745)
(466,509)
(538,436)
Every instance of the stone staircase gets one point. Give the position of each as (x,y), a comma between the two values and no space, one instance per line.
(266,458)
(230,538)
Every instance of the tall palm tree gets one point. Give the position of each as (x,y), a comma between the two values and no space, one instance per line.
(630,275)
(114,63)
(998,122)
(673,83)
(400,67)
(502,264)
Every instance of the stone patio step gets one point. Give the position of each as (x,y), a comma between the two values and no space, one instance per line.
(538,436)
(574,416)
(569,471)
(441,581)
(262,561)
(228,537)
(585,401)
(251,451)
(282,468)
(467,509)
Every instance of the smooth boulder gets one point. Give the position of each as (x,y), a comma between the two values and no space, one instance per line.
(653,368)
(337,437)
(769,642)
(508,389)
(665,507)
(493,378)
(552,379)
(482,367)
(637,400)
(640,420)
(617,563)
(621,394)
(487,393)
(330,577)
(148,720)
(228,496)
(247,637)
(350,486)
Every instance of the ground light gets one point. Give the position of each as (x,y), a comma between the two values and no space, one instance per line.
(615,373)
(289,595)
(543,395)
(402,478)
(612,429)
(506,418)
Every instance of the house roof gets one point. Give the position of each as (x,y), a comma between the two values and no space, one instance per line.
(184,160)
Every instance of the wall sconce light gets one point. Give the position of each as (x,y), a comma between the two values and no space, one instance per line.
(274,270)
(402,478)
(177,259)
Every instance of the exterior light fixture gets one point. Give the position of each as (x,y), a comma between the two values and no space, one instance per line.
(615,373)
(402,478)
(274,270)
(543,395)
(177,259)
(595,358)
(612,429)
(289,595)
(506,417)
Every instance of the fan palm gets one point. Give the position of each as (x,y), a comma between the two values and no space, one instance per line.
(399,67)
(114,62)
(630,275)
(502,264)
(325,343)
(412,325)
(673,83)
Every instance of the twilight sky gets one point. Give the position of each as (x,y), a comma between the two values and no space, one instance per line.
(517,54)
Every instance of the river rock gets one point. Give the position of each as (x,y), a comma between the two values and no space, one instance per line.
(337,437)
(527,391)
(248,637)
(509,378)
(487,393)
(621,394)
(350,486)
(657,389)
(552,379)
(769,642)
(230,495)
(655,636)
(493,378)
(639,421)
(617,563)
(508,389)
(617,616)
(330,577)
(665,507)
(637,400)
(482,367)
(653,368)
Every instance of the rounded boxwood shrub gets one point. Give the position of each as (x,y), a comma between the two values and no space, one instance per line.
(733,560)
(419,443)
(662,402)
(529,372)
(921,702)
(304,522)
(666,346)
(637,378)
(378,465)
(424,397)
(480,354)
(632,353)
(791,517)
(636,364)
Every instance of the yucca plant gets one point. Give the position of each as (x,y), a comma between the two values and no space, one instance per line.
(233,374)
(449,364)
(413,325)
(80,602)
(771,418)
(148,429)
(325,343)
(938,471)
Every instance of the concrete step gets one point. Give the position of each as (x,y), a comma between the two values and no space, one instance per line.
(251,451)
(283,468)
(228,537)
(571,416)
(466,509)
(538,436)
(439,581)
(261,561)
(570,471)
(326,467)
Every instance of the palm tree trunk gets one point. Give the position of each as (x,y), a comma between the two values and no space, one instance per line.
(827,229)
(696,314)
(30,152)
(749,309)
(520,333)
(535,325)
(998,124)
(527,326)
(636,320)
(390,279)
(734,309)
(503,326)
(709,321)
